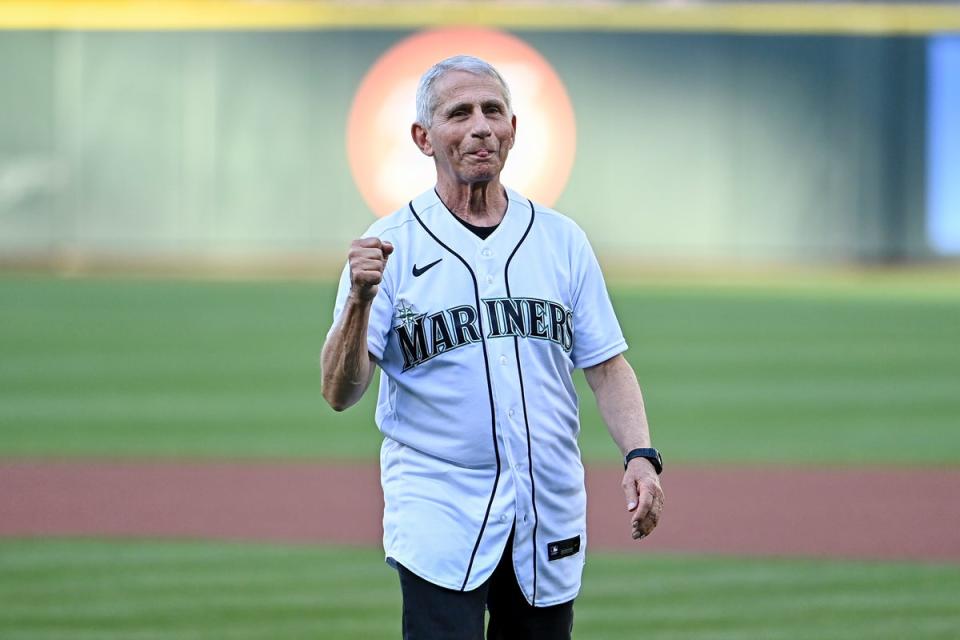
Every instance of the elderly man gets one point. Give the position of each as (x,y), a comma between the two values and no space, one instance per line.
(478,305)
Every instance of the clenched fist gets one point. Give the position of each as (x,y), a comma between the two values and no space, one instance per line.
(368,258)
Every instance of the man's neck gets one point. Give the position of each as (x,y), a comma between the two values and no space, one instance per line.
(481,204)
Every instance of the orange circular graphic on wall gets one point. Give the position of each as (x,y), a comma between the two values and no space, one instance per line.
(387,166)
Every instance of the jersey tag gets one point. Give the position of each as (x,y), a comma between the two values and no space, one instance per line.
(563,548)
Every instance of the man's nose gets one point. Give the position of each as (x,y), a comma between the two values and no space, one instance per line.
(480,127)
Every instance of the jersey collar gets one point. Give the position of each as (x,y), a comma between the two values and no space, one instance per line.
(442,223)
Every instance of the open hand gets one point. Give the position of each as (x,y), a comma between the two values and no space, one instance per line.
(641,486)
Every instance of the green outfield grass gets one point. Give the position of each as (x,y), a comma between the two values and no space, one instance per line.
(93,590)
(824,371)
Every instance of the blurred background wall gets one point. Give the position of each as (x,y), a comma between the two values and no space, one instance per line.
(693,143)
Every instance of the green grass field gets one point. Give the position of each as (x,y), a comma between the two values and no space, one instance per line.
(835,372)
(86,590)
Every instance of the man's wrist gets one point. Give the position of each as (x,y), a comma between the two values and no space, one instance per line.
(650,454)
(360,297)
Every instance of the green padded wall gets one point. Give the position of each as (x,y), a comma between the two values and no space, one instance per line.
(690,146)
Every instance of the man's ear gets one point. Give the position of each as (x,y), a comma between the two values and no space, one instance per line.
(421,139)
(513,123)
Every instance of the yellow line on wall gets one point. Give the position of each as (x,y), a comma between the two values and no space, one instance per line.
(778,18)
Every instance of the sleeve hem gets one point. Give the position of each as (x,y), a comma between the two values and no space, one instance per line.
(375,350)
(601,356)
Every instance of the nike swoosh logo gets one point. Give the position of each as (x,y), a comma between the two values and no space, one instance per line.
(419,272)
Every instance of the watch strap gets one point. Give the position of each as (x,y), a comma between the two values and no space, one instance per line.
(649,453)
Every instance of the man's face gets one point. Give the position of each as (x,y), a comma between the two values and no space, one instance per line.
(472,132)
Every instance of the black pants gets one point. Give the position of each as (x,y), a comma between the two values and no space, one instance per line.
(435,613)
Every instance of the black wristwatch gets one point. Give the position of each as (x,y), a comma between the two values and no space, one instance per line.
(650,454)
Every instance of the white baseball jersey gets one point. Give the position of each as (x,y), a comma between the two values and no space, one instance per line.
(478,340)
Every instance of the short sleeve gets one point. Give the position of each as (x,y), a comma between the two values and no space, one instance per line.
(381,313)
(597,336)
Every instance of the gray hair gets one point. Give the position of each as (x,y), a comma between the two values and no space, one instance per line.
(427,99)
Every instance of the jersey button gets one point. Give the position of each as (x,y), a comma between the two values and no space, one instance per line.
(486,253)
(503,518)
(510,413)
(489,279)
(503,360)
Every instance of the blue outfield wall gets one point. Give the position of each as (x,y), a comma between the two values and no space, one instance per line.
(943,145)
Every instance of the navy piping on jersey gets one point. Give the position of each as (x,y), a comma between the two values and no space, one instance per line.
(486,365)
(523,401)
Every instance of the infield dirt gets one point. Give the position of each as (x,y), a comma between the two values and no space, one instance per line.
(824,512)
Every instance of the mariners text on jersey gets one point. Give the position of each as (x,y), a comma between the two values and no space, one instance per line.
(422,337)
